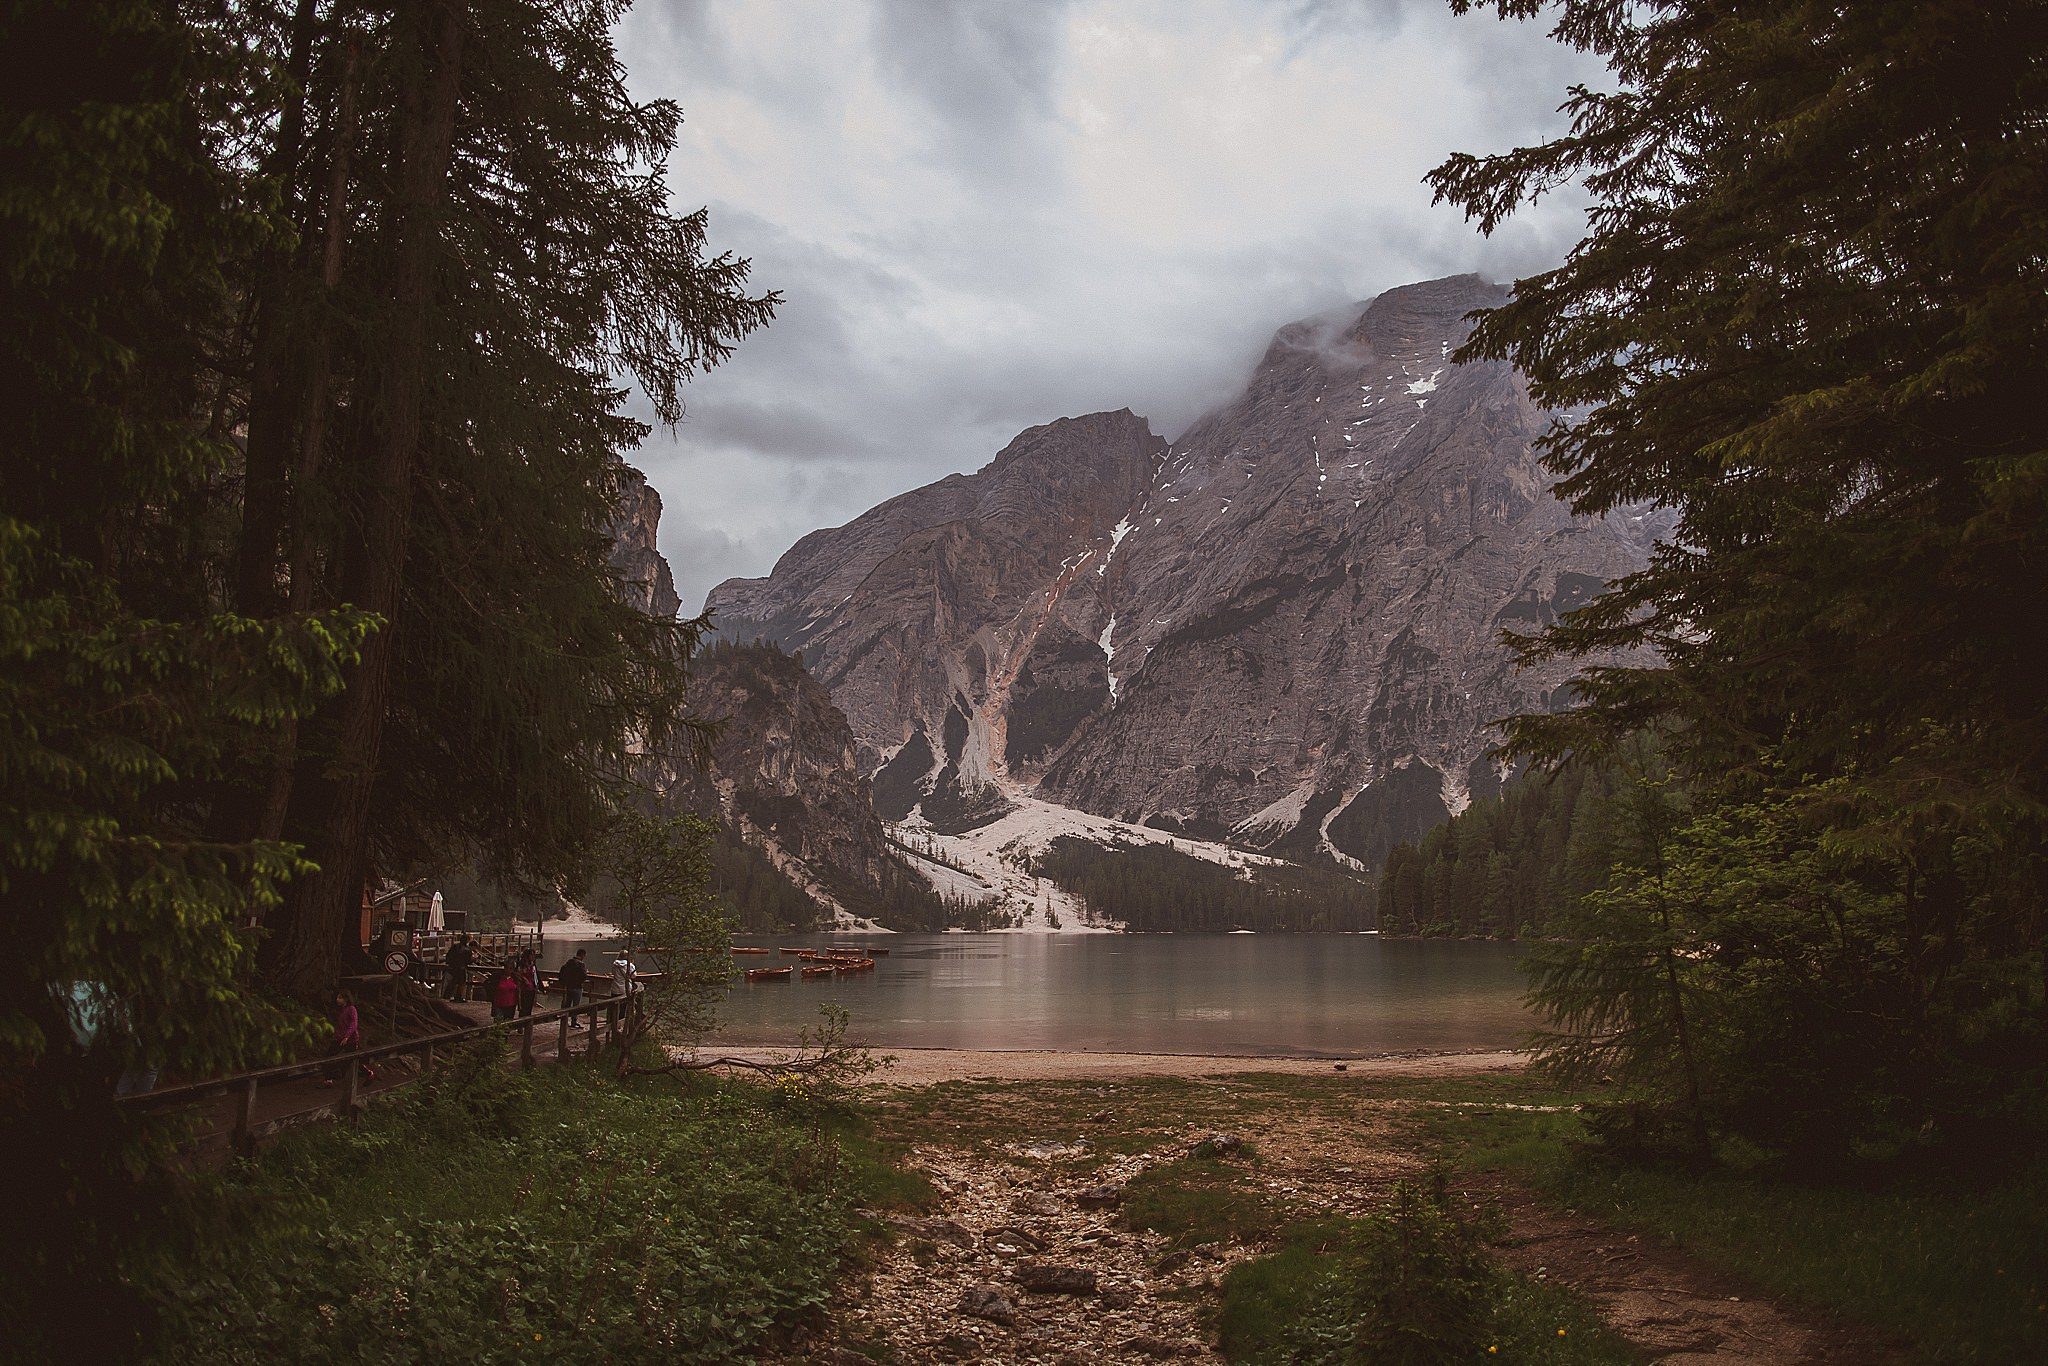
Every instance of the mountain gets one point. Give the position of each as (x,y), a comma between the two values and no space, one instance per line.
(1280,630)
(782,781)
(799,838)
(642,570)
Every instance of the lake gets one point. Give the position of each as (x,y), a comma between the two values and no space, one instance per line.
(1146,993)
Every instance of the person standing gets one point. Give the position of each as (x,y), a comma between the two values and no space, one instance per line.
(622,975)
(348,1032)
(504,994)
(571,978)
(459,959)
(528,975)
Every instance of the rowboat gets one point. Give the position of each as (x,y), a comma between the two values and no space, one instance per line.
(817,972)
(793,953)
(854,965)
(743,948)
(767,974)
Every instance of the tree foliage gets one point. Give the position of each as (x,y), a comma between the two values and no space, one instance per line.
(319,322)
(1809,315)
(126,686)
(660,871)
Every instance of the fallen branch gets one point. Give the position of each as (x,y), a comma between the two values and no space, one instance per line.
(784,1066)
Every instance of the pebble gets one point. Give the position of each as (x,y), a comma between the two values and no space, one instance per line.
(987,1301)
(1055,1278)
(1107,1196)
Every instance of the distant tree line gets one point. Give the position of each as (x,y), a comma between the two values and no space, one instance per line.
(1157,888)
(1511,865)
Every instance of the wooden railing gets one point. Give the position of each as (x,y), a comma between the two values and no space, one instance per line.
(433,944)
(348,1067)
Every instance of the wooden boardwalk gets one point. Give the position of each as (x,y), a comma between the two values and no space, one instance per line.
(236,1113)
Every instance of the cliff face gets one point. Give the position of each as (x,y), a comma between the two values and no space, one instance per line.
(1283,630)
(783,777)
(643,572)
(943,617)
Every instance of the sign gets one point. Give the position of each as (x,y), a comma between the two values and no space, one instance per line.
(396,961)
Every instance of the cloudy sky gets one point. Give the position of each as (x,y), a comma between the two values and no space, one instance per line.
(986,214)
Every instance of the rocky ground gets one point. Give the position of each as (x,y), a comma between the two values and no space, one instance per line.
(1093,1219)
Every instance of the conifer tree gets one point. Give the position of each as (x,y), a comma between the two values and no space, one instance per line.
(485,258)
(1811,315)
(127,688)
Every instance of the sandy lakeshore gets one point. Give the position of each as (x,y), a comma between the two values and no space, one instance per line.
(924,1066)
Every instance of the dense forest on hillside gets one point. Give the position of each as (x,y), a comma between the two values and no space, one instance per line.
(764,899)
(1509,865)
(1156,888)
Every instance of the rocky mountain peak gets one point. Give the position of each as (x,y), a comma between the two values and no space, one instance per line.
(1283,629)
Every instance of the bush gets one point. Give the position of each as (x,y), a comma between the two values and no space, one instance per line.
(1412,1287)
(501,1216)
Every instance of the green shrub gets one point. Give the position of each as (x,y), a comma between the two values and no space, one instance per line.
(499,1216)
(1411,1287)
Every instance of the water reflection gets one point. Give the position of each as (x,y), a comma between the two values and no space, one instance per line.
(1255,994)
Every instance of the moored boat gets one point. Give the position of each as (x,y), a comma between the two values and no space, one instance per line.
(767,974)
(815,971)
(747,948)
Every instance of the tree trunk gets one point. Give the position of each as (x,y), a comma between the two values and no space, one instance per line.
(312,427)
(264,489)
(319,928)
(1702,1138)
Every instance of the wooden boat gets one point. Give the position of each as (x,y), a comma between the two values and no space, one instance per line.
(744,948)
(854,965)
(817,972)
(793,953)
(768,974)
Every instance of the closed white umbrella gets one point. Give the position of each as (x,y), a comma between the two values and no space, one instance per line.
(437,919)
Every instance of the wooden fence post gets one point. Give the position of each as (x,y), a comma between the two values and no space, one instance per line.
(526,1041)
(561,1038)
(245,1120)
(351,1085)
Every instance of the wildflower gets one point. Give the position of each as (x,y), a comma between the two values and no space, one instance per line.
(1560,1332)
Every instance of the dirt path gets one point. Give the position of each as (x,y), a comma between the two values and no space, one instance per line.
(1660,1299)
(1030,1252)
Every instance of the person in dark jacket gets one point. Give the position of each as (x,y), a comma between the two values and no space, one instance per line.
(528,975)
(459,959)
(571,979)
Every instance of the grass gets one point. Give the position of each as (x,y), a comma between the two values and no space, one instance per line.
(1405,1287)
(1952,1262)
(493,1215)
(1199,1199)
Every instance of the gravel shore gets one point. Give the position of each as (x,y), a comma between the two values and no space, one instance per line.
(924,1066)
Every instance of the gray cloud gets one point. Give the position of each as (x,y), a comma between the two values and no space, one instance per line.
(985,216)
